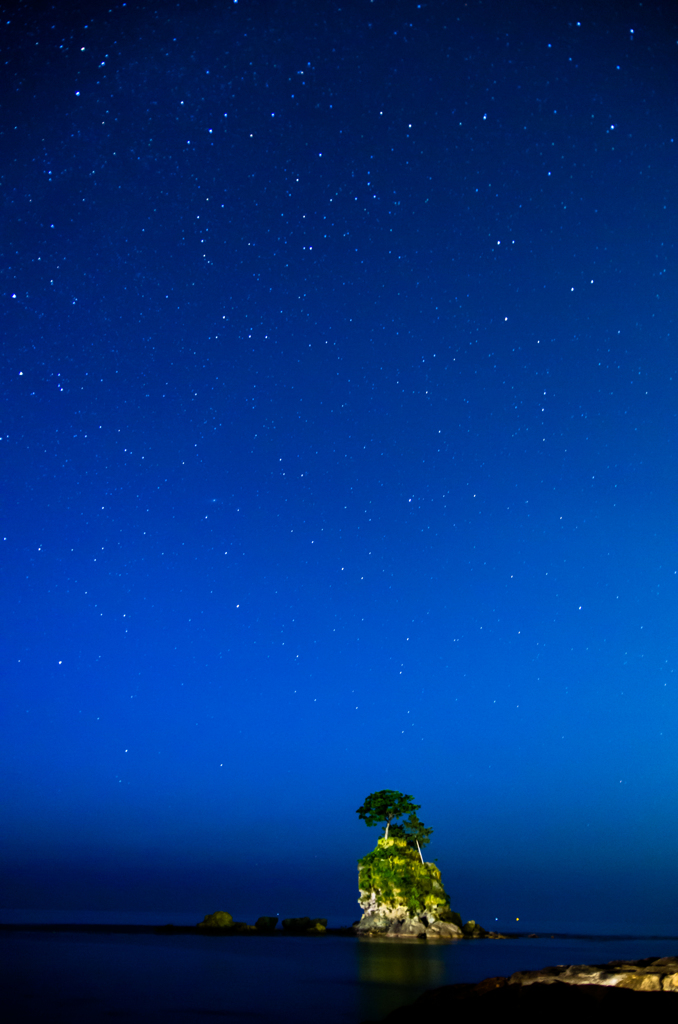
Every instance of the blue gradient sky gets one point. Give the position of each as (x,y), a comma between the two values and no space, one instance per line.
(338,454)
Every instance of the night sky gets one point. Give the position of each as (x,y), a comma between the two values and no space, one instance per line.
(338,371)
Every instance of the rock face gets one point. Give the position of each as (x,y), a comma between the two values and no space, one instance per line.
(641,990)
(651,975)
(402,898)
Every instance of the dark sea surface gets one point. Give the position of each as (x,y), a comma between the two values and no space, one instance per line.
(81,978)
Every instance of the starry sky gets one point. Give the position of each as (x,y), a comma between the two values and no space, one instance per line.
(338,447)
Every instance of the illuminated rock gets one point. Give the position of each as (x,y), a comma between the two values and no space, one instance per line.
(403,897)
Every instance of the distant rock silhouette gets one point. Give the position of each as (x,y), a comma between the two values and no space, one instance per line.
(220,919)
(265,924)
(305,925)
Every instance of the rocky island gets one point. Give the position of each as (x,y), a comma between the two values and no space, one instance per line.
(401,895)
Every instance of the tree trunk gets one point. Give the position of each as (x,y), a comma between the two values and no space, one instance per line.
(419,848)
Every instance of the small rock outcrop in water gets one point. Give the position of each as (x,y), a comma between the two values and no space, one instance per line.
(306,925)
(265,924)
(220,919)
(222,922)
(401,897)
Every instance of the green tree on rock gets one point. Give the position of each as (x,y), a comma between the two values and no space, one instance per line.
(395,882)
(413,831)
(385,806)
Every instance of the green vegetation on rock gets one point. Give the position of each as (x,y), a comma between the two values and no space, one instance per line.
(474,931)
(221,923)
(384,806)
(220,919)
(394,876)
(401,896)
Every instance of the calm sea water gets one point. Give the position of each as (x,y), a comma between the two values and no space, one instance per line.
(80,979)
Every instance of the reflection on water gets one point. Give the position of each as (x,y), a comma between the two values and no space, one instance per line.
(393,972)
(79,978)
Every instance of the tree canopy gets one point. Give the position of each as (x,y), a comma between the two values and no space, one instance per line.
(413,831)
(387,805)
(382,807)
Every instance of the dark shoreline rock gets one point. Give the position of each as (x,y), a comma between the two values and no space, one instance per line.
(592,992)
(654,974)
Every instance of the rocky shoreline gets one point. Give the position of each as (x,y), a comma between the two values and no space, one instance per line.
(378,921)
(222,925)
(400,923)
(660,975)
(592,992)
